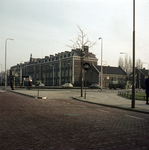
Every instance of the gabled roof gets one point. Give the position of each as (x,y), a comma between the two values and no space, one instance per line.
(112,70)
(142,71)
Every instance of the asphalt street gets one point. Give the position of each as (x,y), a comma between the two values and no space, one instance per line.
(62,123)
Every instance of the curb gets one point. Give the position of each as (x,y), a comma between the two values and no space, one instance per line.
(129,109)
(39,97)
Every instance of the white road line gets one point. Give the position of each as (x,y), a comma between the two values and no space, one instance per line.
(104,111)
(133,117)
(2,91)
(81,106)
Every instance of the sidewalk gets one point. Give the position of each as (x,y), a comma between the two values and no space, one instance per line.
(116,102)
(105,98)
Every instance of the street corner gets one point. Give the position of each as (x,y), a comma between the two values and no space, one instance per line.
(77,97)
(41,97)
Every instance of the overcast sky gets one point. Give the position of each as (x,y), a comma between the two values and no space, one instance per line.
(44,27)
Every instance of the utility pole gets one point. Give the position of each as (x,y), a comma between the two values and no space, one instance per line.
(133,82)
(82,71)
(101,59)
(6,61)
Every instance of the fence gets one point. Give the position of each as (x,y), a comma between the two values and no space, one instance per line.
(128,95)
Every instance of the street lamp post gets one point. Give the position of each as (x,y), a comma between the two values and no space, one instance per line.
(133,83)
(101,59)
(106,72)
(6,60)
(20,74)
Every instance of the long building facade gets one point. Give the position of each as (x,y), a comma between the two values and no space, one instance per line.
(54,70)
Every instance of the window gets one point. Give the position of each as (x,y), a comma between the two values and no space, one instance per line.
(48,75)
(66,73)
(69,72)
(51,74)
(66,80)
(62,65)
(62,73)
(37,75)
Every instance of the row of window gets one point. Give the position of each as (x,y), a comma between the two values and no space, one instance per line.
(56,58)
(56,74)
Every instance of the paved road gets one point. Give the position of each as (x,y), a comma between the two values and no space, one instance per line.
(66,124)
(105,97)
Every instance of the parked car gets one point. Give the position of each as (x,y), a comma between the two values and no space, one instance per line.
(67,85)
(95,86)
(41,84)
(116,84)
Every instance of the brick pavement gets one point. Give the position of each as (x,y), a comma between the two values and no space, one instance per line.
(63,124)
(105,98)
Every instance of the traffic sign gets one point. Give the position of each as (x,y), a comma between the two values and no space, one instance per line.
(86,66)
(16,75)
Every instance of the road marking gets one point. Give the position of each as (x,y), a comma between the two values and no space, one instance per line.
(134,117)
(53,94)
(104,111)
(2,91)
(81,106)
(71,115)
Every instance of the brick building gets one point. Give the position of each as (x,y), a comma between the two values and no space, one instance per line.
(65,67)
(109,74)
(55,70)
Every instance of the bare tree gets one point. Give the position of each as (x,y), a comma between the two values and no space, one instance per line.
(125,64)
(81,40)
(139,64)
(129,66)
(121,62)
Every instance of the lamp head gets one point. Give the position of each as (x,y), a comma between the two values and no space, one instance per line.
(9,39)
(122,53)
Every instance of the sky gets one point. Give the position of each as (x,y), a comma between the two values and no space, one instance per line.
(45,27)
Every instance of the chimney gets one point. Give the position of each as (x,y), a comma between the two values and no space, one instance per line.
(86,51)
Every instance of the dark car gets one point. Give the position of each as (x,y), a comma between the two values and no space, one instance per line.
(95,86)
